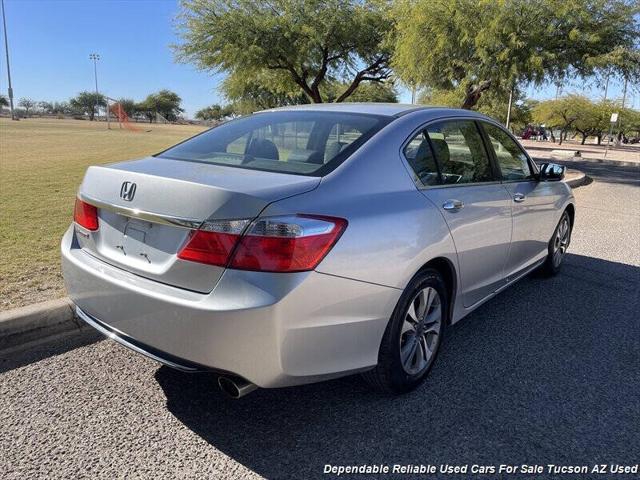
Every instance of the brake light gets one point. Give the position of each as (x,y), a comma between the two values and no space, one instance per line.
(275,244)
(287,244)
(214,242)
(85,215)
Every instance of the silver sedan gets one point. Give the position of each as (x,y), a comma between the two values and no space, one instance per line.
(306,243)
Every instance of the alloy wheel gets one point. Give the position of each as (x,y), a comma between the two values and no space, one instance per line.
(420,331)
(561,241)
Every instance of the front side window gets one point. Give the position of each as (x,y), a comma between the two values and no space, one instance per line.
(298,142)
(513,163)
(460,152)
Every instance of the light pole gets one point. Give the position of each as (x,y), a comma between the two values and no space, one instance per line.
(6,51)
(95,57)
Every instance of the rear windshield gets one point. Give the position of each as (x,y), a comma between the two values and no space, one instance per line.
(303,143)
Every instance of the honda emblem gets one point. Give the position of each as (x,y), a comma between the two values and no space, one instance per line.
(127,191)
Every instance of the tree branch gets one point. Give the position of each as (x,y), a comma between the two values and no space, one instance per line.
(376,72)
(473,94)
(315,85)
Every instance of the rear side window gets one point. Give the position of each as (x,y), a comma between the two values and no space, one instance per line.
(513,163)
(460,152)
(298,142)
(421,160)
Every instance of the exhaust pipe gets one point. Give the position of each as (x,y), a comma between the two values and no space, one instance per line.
(235,387)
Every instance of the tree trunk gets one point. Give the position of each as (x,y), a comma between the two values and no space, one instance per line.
(599,137)
(473,94)
(553,138)
(584,138)
(561,137)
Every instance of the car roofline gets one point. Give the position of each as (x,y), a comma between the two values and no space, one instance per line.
(390,110)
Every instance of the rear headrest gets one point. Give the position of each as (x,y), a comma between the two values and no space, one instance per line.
(423,151)
(332,149)
(441,149)
(263,148)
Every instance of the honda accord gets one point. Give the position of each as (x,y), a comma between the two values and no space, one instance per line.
(306,243)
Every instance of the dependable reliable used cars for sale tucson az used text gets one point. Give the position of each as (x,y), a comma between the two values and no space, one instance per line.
(305,243)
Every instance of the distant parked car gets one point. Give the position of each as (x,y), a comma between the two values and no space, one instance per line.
(306,243)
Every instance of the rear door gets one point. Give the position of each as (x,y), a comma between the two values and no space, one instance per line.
(533,203)
(474,204)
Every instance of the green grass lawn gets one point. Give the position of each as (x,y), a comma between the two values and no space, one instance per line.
(42,162)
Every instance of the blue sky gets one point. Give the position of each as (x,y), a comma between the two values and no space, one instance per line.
(50,42)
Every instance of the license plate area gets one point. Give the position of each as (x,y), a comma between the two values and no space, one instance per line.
(136,244)
(134,239)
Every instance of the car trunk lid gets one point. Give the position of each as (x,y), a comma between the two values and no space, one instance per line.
(147,209)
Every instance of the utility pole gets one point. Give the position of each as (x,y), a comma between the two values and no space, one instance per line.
(95,57)
(6,51)
(413,94)
(624,100)
(606,87)
(509,108)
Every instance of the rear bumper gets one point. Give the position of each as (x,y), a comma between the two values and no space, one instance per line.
(271,329)
(146,350)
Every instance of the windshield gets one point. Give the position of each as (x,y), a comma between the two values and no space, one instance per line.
(298,142)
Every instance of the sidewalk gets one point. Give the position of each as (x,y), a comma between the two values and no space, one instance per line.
(624,154)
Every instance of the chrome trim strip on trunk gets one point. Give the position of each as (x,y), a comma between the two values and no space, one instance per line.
(121,339)
(191,223)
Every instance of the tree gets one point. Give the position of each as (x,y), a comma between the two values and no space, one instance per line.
(560,113)
(27,104)
(492,103)
(60,108)
(593,118)
(289,45)
(4,101)
(474,46)
(629,121)
(165,102)
(370,92)
(213,112)
(86,103)
(45,107)
(252,93)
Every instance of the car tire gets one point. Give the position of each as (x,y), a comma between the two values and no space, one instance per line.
(558,246)
(406,356)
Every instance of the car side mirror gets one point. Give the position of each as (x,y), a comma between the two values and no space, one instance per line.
(551,172)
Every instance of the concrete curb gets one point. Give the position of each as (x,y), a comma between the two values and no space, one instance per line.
(604,161)
(575,178)
(37,321)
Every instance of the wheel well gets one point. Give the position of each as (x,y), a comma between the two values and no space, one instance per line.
(448,272)
(571,210)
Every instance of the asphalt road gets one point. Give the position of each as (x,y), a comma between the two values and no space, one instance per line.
(547,372)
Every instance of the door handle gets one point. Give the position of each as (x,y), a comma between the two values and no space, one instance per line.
(518,197)
(453,205)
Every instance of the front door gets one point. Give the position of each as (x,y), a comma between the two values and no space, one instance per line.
(533,203)
(475,205)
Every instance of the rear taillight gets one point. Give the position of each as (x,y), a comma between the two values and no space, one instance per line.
(214,242)
(85,215)
(275,244)
(287,244)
